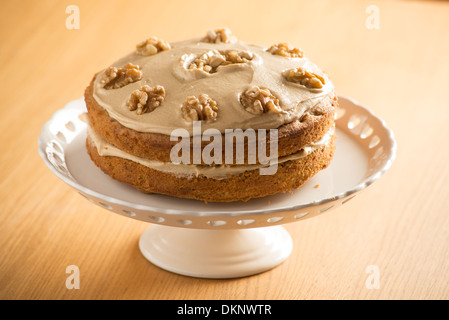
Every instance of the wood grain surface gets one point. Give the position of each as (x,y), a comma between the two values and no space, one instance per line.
(400,225)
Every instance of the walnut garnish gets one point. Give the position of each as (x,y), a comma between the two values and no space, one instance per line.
(258,101)
(152,46)
(201,108)
(285,50)
(114,78)
(238,56)
(223,35)
(211,60)
(146,99)
(306,78)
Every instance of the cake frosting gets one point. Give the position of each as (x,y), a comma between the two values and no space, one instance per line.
(170,69)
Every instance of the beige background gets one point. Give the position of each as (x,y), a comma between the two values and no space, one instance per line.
(400,224)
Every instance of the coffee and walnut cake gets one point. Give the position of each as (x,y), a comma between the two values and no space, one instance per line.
(273,96)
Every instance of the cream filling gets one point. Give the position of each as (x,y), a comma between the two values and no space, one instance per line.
(167,68)
(104,148)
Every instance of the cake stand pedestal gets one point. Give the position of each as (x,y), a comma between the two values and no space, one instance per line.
(223,240)
(216,253)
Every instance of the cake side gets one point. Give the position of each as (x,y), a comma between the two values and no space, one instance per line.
(250,184)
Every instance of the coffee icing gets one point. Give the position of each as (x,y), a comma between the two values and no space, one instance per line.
(225,85)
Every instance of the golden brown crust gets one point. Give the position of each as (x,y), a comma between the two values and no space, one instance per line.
(292,137)
(242,187)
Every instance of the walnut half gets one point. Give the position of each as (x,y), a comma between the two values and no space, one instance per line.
(211,60)
(306,78)
(285,50)
(257,101)
(201,108)
(152,46)
(114,78)
(221,35)
(146,99)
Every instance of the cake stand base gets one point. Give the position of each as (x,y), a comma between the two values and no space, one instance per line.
(216,254)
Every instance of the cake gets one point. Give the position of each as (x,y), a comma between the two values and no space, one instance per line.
(213,118)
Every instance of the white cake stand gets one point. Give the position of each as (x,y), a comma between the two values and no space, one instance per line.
(222,240)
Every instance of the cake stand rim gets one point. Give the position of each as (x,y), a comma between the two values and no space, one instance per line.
(109,199)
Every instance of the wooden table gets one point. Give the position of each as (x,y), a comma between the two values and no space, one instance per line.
(398,228)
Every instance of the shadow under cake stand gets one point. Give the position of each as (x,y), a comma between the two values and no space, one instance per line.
(222,240)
